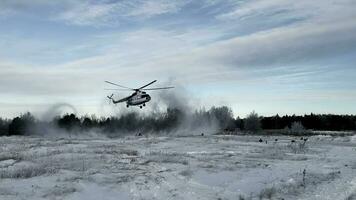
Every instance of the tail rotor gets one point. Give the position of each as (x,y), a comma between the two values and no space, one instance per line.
(110,98)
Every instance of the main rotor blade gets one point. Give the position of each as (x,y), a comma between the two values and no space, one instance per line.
(119,85)
(117,89)
(161,88)
(147,85)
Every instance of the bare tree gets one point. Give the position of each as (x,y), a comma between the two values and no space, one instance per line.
(253,122)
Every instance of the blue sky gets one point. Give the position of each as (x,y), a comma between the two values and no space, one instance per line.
(271,56)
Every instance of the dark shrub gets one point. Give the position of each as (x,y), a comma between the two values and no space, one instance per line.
(22,125)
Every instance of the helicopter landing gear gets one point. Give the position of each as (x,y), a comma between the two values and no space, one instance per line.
(127,105)
(141,107)
(144,104)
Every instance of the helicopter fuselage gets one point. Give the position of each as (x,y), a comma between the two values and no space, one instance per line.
(138,98)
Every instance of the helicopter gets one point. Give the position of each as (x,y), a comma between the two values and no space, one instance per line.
(138,98)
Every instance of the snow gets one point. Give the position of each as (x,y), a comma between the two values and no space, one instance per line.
(189,167)
(7,163)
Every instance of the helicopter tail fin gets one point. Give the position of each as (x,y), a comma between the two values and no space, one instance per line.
(118,101)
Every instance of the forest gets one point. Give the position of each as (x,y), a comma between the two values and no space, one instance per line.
(216,119)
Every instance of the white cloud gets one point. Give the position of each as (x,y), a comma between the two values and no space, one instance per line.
(254,8)
(275,56)
(109,14)
(151,8)
(150,53)
(285,45)
(193,55)
(318,9)
(33,7)
(91,13)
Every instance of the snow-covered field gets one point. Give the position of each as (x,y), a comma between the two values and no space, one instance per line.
(196,167)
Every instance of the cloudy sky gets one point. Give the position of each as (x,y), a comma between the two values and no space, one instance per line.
(271,56)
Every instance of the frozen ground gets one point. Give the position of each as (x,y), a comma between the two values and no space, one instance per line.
(197,167)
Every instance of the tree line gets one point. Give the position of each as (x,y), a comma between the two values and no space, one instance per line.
(327,122)
(220,118)
(170,120)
